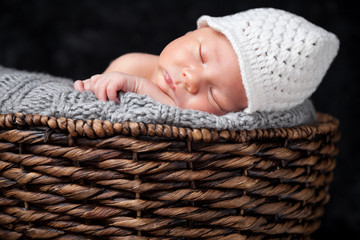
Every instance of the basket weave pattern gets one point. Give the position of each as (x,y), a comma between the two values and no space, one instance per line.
(67,179)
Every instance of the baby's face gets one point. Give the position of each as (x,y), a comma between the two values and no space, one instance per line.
(200,71)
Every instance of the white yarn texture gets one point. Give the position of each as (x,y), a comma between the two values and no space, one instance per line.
(282,56)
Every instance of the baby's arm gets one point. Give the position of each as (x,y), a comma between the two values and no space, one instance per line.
(138,64)
(106,86)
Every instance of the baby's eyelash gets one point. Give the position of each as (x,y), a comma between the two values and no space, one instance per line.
(200,54)
(214,99)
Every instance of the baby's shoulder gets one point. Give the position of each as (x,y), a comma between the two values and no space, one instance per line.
(140,64)
(139,58)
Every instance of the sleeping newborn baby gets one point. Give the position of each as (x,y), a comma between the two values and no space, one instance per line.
(257,60)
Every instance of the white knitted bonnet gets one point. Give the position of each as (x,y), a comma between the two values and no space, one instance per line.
(282,56)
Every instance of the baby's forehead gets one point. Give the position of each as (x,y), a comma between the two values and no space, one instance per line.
(211,36)
(217,50)
(205,30)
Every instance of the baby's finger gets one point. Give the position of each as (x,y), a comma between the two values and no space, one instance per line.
(112,94)
(90,83)
(87,85)
(79,85)
(95,77)
(100,89)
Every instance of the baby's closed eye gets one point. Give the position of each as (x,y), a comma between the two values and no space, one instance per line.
(202,53)
(215,101)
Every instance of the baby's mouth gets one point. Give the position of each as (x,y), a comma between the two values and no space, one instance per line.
(169,80)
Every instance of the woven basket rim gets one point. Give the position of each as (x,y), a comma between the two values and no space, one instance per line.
(326,124)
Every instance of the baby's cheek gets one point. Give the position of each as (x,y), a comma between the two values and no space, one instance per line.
(198,103)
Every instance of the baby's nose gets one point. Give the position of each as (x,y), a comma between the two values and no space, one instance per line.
(192,81)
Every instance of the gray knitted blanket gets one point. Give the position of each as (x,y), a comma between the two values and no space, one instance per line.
(38,93)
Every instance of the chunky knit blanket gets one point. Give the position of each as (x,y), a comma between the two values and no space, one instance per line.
(39,93)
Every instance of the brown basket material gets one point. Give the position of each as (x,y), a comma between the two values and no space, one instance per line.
(66,179)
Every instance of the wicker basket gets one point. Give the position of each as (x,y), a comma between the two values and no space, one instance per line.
(66,179)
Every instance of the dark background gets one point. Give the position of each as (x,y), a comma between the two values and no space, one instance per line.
(76,39)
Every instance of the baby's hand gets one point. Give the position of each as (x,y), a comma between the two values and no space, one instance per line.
(106,86)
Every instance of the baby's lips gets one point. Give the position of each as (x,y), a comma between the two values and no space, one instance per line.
(169,80)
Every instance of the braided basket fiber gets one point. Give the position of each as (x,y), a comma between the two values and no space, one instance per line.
(66,179)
